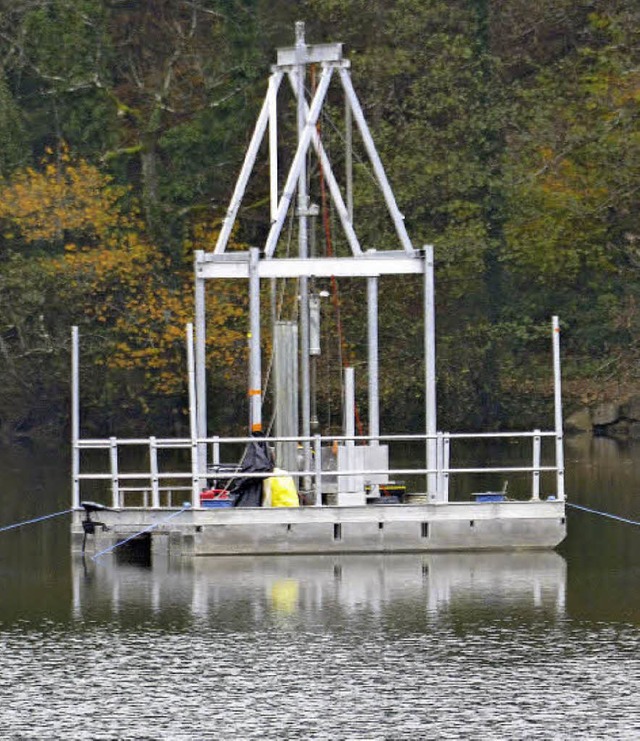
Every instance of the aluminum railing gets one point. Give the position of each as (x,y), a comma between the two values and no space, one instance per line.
(152,485)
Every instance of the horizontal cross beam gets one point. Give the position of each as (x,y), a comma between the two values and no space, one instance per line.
(236,265)
(309,54)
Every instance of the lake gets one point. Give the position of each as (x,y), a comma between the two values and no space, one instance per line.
(542,645)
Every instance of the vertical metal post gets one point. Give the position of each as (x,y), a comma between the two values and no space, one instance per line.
(557,395)
(373,362)
(535,481)
(317,447)
(75,419)
(314,352)
(303,251)
(439,466)
(153,465)
(430,369)
(255,371)
(201,372)
(193,429)
(446,462)
(349,425)
(349,405)
(314,329)
(115,484)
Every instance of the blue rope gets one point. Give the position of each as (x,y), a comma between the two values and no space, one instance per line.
(35,519)
(142,532)
(604,514)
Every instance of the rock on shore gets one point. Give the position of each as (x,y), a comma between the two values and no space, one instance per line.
(613,419)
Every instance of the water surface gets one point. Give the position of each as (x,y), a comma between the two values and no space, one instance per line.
(493,646)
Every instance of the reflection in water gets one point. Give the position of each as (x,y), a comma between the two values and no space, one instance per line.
(356,647)
(315,585)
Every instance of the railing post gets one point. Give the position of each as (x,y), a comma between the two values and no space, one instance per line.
(215,451)
(193,429)
(115,484)
(75,419)
(558,409)
(348,483)
(446,459)
(535,482)
(317,451)
(439,492)
(153,465)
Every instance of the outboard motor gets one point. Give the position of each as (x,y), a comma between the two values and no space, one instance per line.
(88,525)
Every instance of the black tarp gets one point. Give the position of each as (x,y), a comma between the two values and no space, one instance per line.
(257,459)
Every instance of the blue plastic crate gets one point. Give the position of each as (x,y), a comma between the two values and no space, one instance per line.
(216,503)
(490,496)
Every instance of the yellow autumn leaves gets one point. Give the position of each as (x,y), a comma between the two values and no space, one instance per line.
(63,199)
(84,233)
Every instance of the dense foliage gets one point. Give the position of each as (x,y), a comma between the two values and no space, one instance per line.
(509,130)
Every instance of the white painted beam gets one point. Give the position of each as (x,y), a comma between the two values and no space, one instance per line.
(321,267)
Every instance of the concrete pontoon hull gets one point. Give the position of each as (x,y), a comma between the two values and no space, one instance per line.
(374,529)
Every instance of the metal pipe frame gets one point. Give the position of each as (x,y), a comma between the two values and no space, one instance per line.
(311,472)
(184,442)
(442,469)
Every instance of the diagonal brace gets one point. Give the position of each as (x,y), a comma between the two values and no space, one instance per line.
(334,188)
(298,161)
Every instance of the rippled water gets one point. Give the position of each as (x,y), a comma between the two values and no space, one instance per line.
(443,646)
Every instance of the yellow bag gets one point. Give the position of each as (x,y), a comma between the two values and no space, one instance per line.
(281,490)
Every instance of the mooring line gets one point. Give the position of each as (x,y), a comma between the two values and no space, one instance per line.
(35,519)
(142,532)
(604,514)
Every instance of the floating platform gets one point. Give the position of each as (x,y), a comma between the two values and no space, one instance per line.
(455,526)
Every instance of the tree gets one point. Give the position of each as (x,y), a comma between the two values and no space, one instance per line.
(90,262)
(572,224)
